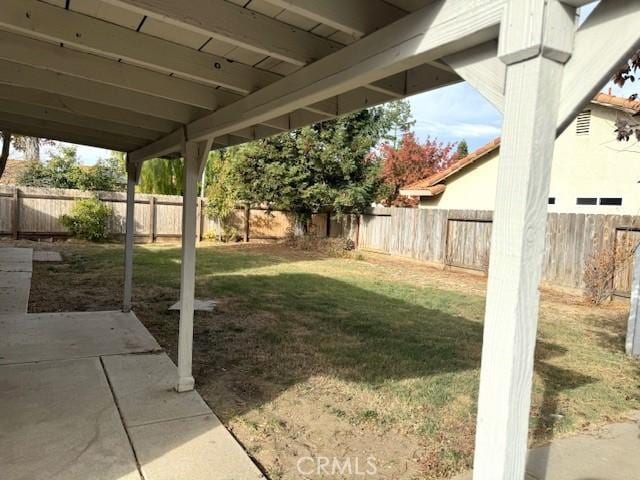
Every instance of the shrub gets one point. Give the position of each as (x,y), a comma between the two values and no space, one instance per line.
(89,219)
(600,271)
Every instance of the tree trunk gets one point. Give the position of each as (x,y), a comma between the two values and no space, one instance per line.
(32,148)
(6,143)
(300,225)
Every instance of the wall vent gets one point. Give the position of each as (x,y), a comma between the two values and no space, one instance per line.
(583,123)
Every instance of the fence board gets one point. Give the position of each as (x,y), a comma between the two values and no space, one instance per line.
(463,238)
(156,216)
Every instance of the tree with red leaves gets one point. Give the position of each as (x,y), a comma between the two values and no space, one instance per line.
(410,162)
(626,129)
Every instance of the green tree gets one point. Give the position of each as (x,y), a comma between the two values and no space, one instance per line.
(327,166)
(223,182)
(108,174)
(162,176)
(400,120)
(63,170)
(463,149)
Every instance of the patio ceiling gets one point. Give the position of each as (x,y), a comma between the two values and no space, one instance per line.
(121,74)
(144,76)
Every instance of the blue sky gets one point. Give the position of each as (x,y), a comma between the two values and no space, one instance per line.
(448,114)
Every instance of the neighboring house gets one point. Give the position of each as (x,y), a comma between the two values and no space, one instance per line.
(592,172)
(12,172)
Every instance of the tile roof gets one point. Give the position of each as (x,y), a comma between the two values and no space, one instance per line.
(427,184)
(456,166)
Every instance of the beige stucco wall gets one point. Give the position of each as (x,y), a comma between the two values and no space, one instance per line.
(594,165)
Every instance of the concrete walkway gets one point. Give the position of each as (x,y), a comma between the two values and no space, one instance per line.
(15,279)
(90,396)
(613,453)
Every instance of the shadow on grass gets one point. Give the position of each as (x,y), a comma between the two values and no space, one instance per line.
(274,331)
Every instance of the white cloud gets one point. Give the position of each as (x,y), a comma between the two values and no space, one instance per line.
(453,113)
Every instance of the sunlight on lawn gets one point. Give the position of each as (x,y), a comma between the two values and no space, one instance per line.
(371,355)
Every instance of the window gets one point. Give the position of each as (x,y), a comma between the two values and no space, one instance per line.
(552,200)
(611,201)
(586,201)
(583,123)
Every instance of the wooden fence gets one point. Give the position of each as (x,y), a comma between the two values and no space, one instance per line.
(28,212)
(462,238)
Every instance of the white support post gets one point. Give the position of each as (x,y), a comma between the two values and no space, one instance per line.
(632,344)
(535,41)
(133,172)
(194,156)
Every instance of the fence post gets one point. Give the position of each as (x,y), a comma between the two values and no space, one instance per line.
(328,226)
(198,220)
(247,216)
(15,224)
(152,215)
(632,345)
(201,218)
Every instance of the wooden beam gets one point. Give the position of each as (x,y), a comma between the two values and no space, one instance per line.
(445,27)
(63,136)
(85,109)
(602,43)
(42,113)
(182,61)
(238,26)
(25,76)
(417,38)
(532,99)
(22,124)
(483,70)
(165,146)
(195,154)
(36,53)
(49,22)
(129,237)
(353,17)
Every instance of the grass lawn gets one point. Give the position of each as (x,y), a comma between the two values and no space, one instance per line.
(310,355)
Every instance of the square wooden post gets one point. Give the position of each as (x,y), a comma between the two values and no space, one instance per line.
(536,40)
(133,173)
(194,156)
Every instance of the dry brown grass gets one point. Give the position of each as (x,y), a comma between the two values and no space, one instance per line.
(313,355)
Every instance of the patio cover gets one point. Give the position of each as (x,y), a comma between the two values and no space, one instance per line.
(166,78)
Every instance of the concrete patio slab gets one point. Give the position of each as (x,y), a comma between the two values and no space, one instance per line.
(611,454)
(14,292)
(199,305)
(144,389)
(46,256)
(14,259)
(59,421)
(200,446)
(55,336)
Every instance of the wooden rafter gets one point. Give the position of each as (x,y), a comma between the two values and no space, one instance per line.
(86,109)
(237,26)
(354,17)
(443,27)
